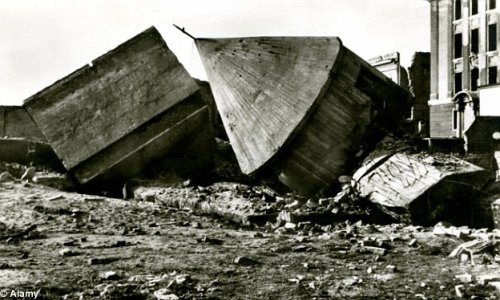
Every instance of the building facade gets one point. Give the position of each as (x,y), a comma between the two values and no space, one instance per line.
(464,59)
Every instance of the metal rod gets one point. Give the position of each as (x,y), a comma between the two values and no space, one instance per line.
(184,31)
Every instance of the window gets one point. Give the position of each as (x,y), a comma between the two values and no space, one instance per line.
(474,79)
(474,41)
(458,9)
(458,45)
(473,7)
(458,82)
(492,75)
(492,4)
(492,37)
(455,119)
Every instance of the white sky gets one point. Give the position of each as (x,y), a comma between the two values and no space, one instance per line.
(43,41)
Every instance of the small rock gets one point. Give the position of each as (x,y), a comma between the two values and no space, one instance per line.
(375,250)
(290,225)
(150,197)
(390,268)
(164,294)
(67,252)
(57,181)
(301,248)
(209,240)
(384,277)
(109,275)
(312,204)
(464,278)
(459,290)
(6,177)
(281,230)
(100,260)
(412,243)
(369,270)
(495,284)
(485,279)
(28,174)
(182,278)
(55,197)
(325,237)
(258,235)
(195,225)
(324,202)
(245,261)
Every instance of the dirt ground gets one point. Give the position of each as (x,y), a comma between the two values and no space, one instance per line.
(75,246)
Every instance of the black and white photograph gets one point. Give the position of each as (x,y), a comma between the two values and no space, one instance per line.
(249,149)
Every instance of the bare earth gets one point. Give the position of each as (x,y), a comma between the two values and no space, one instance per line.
(157,252)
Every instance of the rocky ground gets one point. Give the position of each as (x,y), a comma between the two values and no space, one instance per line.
(76,246)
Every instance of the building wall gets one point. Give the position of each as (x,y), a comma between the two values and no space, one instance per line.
(461,56)
(419,73)
(441,116)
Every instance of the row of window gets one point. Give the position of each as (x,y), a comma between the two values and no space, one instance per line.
(492,4)
(474,78)
(474,41)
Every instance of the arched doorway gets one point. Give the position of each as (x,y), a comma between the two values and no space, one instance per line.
(465,111)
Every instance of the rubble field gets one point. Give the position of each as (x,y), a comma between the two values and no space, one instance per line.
(77,246)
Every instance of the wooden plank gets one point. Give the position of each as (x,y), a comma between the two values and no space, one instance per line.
(103,102)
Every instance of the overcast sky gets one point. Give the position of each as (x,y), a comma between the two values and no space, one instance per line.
(42,41)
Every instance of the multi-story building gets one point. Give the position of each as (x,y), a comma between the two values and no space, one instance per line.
(465,91)
(464,60)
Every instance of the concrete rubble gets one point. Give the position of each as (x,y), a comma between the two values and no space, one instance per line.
(402,183)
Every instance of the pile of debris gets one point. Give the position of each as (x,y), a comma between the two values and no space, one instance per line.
(299,124)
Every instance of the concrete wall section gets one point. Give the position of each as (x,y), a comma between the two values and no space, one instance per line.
(442,120)
(15,122)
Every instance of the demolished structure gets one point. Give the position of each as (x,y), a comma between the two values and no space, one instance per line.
(422,189)
(299,110)
(123,111)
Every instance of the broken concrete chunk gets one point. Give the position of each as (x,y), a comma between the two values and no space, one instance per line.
(409,187)
(109,275)
(337,83)
(165,294)
(126,111)
(467,251)
(6,177)
(58,181)
(442,228)
(68,252)
(465,278)
(245,261)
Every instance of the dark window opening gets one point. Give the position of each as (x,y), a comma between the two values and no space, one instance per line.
(458,9)
(493,4)
(474,78)
(458,45)
(368,83)
(473,7)
(492,75)
(455,120)
(492,37)
(458,82)
(474,41)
